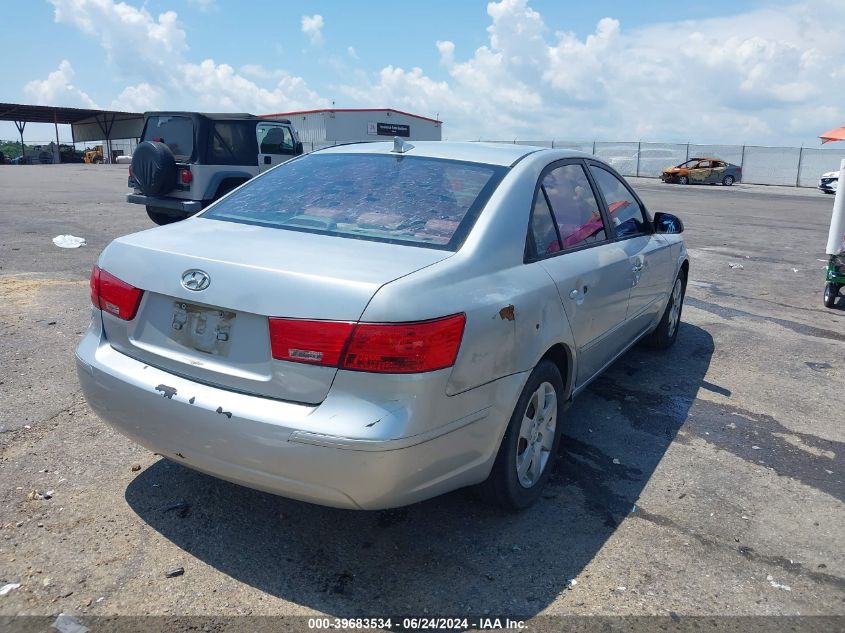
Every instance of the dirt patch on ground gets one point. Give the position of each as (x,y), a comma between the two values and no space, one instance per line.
(23,290)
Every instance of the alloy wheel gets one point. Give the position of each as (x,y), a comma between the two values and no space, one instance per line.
(536,435)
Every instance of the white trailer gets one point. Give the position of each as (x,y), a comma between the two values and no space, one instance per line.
(321,128)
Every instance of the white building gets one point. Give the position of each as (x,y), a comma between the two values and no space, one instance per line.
(320,128)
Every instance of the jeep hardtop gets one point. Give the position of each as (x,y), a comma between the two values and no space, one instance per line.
(187,160)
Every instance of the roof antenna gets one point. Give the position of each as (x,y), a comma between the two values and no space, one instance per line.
(400,146)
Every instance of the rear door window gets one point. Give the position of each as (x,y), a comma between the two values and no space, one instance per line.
(401,199)
(177,132)
(232,143)
(626,214)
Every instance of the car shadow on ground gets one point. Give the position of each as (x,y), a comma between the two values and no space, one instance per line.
(451,555)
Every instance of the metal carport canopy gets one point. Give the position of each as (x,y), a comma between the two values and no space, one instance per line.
(86,124)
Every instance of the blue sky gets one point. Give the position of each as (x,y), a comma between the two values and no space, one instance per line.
(722,71)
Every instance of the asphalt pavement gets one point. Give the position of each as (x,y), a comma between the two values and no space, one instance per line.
(706,480)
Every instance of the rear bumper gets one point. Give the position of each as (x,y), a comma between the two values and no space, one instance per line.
(272,445)
(188,206)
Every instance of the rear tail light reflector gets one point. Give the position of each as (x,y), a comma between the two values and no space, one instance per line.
(394,348)
(114,295)
(186,176)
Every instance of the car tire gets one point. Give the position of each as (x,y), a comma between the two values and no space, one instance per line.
(728,180)
(831,293)
(667,330)
(517,480)
(683,180)
(162,216)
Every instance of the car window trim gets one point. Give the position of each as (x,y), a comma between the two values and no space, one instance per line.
(531,255)
(649,222)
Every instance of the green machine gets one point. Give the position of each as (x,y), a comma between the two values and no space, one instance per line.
(835,279)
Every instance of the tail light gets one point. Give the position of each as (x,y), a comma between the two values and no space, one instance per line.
(392,348)
(131,173)
(315,342)
(114,295)
(186,176)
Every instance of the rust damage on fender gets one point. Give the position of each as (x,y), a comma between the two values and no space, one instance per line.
(508,313)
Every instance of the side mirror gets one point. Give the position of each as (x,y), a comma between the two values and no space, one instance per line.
(667,223)
(297,149)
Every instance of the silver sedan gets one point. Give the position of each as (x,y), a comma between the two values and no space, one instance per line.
(372,325)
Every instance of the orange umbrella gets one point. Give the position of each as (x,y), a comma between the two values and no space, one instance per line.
(836,134)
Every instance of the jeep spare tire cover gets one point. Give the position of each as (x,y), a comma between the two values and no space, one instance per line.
(154,168)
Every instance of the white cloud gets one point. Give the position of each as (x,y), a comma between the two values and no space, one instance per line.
(151,54)
(312,26)
(768,75)
(57,89)
(217,86)
(139,98)
(447,52)
(137,43)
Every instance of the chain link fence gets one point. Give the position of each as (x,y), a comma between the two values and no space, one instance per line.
(790,166)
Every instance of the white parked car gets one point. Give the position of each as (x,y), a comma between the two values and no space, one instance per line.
(828,181)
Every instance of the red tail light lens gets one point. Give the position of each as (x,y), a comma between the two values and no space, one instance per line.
(404,348)
(186,176)
(392,348)
(315,342)
(113,295)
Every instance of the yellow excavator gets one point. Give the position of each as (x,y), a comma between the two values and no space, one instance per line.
(94,155)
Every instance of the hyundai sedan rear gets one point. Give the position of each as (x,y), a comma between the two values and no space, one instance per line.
(373,325)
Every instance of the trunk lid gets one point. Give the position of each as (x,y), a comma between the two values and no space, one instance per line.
(220,335)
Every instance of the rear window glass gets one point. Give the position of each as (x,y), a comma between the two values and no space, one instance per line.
(402,199)
(177,132)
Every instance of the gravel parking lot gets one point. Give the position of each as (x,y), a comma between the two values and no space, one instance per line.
(707,480)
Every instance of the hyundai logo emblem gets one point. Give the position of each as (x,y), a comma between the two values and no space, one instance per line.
(195,280)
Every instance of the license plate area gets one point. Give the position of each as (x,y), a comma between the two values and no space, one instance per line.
(205,329)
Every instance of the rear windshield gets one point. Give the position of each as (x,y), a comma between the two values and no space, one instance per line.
(401,199)
(177,132)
